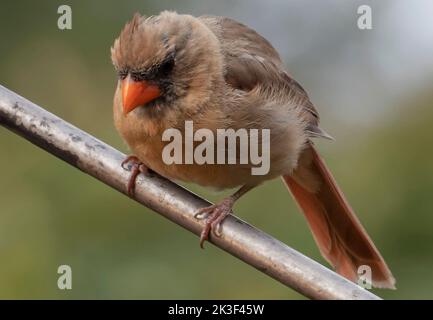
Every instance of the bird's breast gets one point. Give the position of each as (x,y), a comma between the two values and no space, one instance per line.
(145,138)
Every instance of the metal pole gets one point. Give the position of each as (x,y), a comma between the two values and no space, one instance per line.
(240,239)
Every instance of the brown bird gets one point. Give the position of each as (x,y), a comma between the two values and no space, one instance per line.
(220,74)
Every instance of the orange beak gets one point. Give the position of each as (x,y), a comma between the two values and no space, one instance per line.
(137,93)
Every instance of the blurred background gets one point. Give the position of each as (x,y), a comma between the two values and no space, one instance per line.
(373,89)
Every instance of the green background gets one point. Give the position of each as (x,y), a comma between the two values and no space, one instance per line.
(374,95)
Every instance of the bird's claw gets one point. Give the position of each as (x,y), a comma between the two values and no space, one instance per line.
(217,229)
(129,162)
(215,214)
(201,213)
(133,164)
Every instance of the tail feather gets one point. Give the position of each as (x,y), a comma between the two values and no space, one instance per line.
(337,231)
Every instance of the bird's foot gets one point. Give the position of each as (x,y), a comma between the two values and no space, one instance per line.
(214,214)
(133,164)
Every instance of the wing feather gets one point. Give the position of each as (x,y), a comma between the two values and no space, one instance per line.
(251,61)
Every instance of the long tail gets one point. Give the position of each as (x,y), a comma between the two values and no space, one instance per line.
(339,235)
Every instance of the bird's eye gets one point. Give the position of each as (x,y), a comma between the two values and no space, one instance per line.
(166,66)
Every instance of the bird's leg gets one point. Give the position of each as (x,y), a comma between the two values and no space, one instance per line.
(215,214)
(133,164)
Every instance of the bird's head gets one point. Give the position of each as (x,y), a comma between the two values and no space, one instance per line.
(163,59)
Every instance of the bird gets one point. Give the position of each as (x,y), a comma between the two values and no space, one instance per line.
(221,74)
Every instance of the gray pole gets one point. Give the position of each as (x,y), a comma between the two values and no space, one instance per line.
(177,204)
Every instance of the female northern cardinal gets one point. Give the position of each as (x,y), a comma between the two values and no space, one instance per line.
(221,74)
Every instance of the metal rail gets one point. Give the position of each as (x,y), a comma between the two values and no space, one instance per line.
(177,204)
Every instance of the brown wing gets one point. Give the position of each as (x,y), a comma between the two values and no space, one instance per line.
(250,61)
